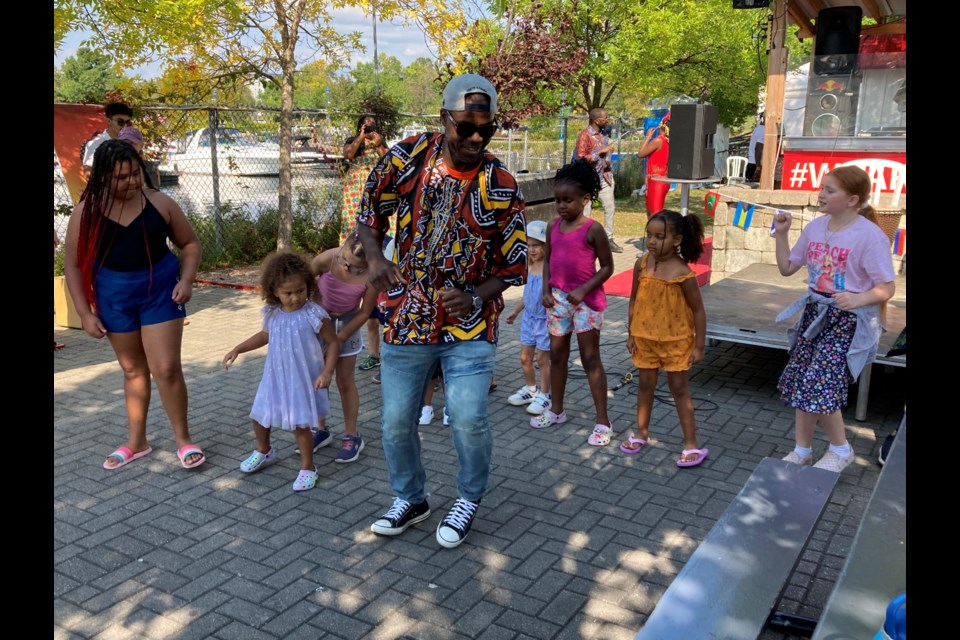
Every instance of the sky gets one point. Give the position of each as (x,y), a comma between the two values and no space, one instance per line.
(406,43)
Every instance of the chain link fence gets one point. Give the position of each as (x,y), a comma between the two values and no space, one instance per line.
(228,184)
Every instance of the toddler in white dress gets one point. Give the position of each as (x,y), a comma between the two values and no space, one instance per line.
(301,357)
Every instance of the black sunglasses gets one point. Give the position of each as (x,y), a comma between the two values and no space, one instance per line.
(467,129)
(122,122)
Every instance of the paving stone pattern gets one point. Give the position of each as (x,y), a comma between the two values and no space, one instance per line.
(572,541)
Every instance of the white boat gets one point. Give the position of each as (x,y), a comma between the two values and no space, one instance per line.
(413,129)
(238,154)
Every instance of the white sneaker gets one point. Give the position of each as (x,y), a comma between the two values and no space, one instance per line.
(426,414)
(539,404)
(832,462)
(795,458)
(523,396)
(446,418)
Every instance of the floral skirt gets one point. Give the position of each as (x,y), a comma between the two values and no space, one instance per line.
(816,378)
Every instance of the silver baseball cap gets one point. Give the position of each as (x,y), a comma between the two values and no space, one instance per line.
(456,91)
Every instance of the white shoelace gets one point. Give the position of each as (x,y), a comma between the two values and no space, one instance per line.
(460,514)
(399,506)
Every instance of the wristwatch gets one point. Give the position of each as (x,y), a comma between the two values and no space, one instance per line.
(477,300)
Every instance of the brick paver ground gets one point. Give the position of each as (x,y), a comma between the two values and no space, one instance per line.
(572,541)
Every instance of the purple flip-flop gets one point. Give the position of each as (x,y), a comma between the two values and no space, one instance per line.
(632,440)
(701,456)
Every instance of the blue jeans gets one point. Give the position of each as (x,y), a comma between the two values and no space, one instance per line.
(405,371)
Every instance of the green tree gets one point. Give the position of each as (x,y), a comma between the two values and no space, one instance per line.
(529,60)
(421,87)
(703,49)
(249,39)
(85,77)
(366,82)
(312,80)
(638,50)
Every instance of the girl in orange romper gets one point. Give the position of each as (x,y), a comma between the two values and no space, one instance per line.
(667,325)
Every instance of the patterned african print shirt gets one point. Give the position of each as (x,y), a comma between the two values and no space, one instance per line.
(454,229)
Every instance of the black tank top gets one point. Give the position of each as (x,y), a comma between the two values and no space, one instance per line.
(125,248)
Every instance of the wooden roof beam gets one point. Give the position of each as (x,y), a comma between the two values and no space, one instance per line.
(882,29)
(805,28)
(873,10)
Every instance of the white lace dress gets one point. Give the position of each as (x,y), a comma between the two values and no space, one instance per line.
(286,397)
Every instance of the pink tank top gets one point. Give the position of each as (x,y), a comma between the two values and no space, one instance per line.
(339,297)
(573,261)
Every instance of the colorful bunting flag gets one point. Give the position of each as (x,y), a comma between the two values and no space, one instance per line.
(900,242)
(742,216)
(710,202)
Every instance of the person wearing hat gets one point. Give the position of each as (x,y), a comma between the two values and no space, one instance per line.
(133,136)
(593,145)
(534,338)
(460,241)
(657,150)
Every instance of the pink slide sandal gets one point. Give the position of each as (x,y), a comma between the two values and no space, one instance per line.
(125,456)
(188,450)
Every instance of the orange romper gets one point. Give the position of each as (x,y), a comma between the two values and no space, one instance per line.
(661,326)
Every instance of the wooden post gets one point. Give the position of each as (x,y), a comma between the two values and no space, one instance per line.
(776,82)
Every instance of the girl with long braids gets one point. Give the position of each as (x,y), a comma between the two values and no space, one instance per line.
(129,287)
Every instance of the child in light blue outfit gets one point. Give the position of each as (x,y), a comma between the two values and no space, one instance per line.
(534,339)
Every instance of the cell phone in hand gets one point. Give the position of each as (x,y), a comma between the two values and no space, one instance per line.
(370,129)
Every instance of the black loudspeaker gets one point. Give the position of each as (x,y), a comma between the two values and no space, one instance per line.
(838,40)
(692,127)
(831,106)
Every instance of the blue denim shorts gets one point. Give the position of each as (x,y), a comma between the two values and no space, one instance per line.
(533,332)
(128,300)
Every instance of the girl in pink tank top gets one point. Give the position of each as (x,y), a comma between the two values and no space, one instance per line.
(346,294)
(573,293)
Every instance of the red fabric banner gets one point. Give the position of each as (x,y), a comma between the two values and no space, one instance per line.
(74,124)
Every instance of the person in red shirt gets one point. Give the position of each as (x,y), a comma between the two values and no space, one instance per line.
(656,148)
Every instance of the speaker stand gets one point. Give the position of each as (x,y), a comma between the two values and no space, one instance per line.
(685,185)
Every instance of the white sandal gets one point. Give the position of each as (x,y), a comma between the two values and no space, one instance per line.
(305,480)
(257,460)
(600,436)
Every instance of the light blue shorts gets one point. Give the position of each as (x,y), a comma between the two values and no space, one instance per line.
(533,331)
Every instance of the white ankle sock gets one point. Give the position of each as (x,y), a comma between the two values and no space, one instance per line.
(843,450)
(803,452)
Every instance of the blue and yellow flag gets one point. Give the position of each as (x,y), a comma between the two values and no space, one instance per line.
(742,217)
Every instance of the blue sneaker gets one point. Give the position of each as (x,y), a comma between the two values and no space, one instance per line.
(350,449)
(321,438)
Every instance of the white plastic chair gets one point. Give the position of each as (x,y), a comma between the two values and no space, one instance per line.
(876,169)
(736,169)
